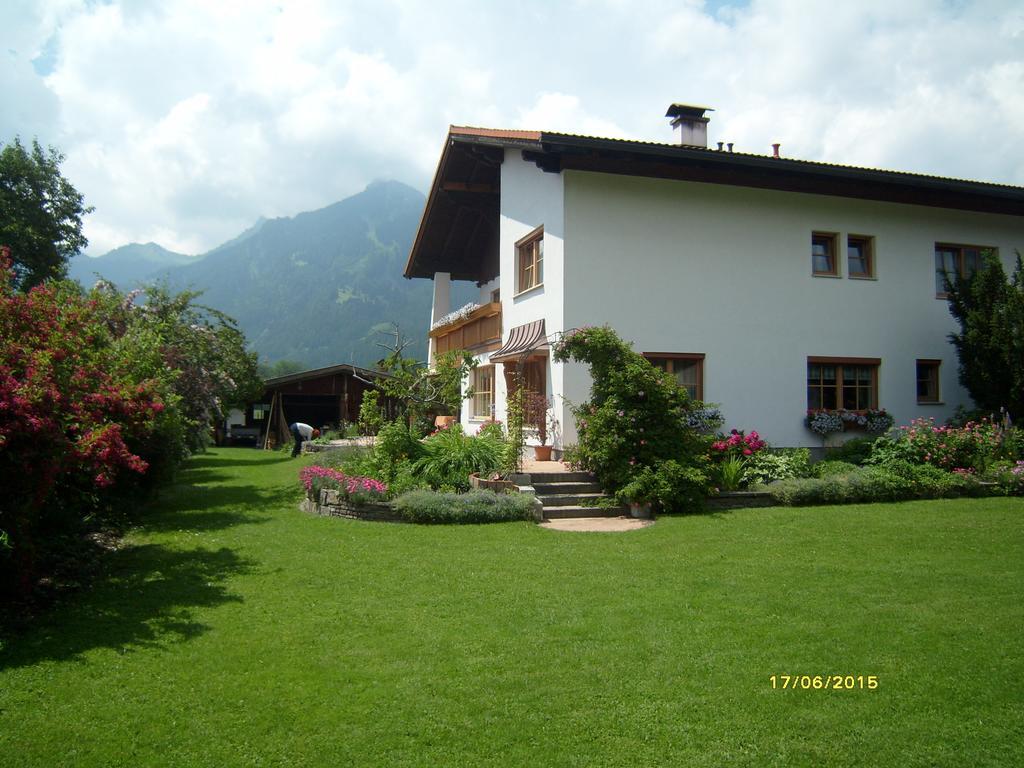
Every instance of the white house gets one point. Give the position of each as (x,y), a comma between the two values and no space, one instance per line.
(766,285)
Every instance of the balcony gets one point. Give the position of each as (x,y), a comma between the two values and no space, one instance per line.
(479,328)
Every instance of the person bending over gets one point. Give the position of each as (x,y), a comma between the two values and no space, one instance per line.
(302,432)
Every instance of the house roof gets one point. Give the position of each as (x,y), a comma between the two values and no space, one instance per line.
(458,231)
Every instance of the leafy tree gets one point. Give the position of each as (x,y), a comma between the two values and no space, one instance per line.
(418,389)
(202,348)
(990,345)
(40,213)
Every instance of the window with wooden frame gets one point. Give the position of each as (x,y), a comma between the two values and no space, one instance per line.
(928,381)
(849,383)
(956,261)
(687,368)
(535,376)
(483,392)
(823,254)
(860,256)
(530,261)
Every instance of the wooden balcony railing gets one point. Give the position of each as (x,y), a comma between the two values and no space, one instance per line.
(479,328)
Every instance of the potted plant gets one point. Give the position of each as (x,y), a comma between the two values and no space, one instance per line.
(540,416)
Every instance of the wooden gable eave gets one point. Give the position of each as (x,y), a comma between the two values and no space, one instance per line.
(464,195)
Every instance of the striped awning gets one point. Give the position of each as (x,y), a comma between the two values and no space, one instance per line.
(523,340)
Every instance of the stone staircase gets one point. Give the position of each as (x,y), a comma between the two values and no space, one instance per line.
(571,494)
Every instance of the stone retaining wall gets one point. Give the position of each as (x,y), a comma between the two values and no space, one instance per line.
(740,500)
(331,504)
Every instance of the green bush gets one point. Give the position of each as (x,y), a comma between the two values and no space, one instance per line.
(450,456)
(636,421)
(660,486)
(395,444)
(855,451)
(846,484)
(777,464)
(831,468)
(474,507)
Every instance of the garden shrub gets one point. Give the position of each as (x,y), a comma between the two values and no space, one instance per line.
(855,451)
(777,464)
(477,506)
(901,480)
(371,418)
(450,456)
(635,423)
(660,485)
(73,419)
(972,446)
(829,468)
(395,443)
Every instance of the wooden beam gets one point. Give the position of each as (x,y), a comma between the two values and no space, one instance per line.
(466,186)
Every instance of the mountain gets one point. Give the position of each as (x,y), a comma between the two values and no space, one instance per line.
(126,266)
(322,287)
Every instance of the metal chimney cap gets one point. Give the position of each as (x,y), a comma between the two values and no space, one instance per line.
(687,110)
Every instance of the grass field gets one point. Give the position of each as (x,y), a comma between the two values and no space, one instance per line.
(233,630)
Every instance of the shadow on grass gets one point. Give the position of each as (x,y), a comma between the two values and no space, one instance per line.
(260,458)
(209,508)
(146,599)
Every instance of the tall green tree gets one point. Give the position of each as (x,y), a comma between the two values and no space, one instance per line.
(40,213)
(990,345)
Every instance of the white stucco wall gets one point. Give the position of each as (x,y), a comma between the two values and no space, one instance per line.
(529,198)
(726,271)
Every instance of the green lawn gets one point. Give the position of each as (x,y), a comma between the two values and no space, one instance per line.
(235,630)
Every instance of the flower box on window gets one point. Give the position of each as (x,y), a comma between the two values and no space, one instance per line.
(826,422)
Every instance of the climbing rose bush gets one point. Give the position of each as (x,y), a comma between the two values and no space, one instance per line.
(634,431)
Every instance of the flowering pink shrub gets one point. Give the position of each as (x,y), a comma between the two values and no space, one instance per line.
(970,447)
(72,414)
(354,488)
(737,444)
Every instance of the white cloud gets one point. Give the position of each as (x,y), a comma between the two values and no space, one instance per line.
(185,120)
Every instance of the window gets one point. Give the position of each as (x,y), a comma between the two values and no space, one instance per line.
(260,411)
(823,254)
(957,261)
(860,256)
(534,378)
(688,370)
(483,392)
(847,383)
(496,295)
(928,381)
(530,260)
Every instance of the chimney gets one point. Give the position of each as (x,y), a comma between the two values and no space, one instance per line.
(689,125)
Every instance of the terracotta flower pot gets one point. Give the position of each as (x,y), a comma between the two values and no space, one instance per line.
(542,452)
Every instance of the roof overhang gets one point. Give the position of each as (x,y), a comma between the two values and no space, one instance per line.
(458,230)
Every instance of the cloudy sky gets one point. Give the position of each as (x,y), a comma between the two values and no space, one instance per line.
(184,121)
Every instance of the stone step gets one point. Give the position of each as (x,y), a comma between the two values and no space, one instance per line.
(550,489)
(569,499)
(560,477)
(561,513)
